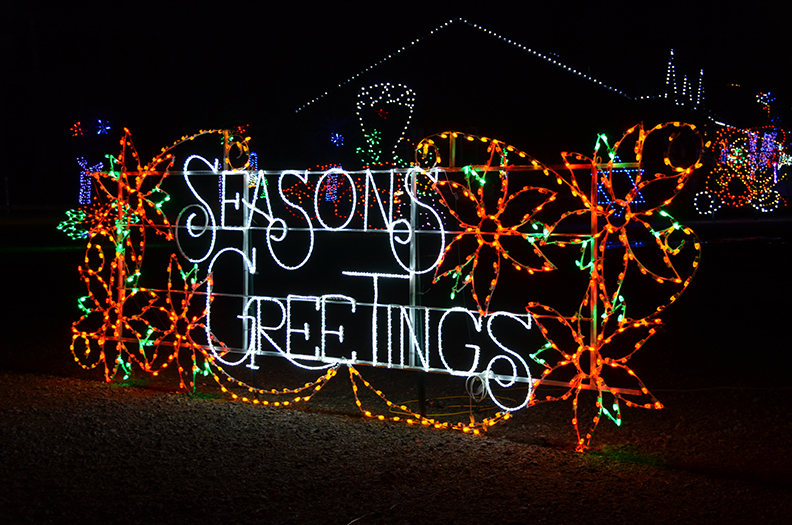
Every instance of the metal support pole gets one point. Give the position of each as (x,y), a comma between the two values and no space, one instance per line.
(452,149)
(594,275)
(120,252)
(415,283)
(246,277)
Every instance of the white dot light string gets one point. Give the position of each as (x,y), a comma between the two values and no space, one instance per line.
(527,49)
(383,95)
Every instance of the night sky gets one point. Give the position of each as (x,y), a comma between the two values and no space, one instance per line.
(170,71)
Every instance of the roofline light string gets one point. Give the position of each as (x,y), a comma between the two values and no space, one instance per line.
(546,58)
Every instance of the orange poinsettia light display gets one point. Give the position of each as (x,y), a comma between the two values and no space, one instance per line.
(496,225)
(614,214)
(631,240)
(123,322)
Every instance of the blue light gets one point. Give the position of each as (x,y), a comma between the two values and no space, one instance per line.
(331,191)
(629,173)
(85,179)
(102,127)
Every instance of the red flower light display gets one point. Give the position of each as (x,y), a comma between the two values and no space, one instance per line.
(123,322)
(491,229)
(588,361)
(598,366)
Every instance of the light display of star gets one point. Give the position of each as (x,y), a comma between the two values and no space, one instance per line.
(102,127)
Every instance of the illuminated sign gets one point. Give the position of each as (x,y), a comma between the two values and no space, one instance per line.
(432,268)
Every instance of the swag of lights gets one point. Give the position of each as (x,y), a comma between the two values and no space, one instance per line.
(489,231)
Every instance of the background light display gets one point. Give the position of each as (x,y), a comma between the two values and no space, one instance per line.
(371,110)
(748,166)
(682,92)
(85,179)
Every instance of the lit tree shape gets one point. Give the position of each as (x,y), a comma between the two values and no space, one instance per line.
(371,153)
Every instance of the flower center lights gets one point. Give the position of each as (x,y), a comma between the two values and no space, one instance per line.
(431,268)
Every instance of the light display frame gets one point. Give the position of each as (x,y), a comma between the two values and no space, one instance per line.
(126,323)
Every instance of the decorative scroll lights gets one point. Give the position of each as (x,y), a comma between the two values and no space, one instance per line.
(502,222)
(748,166)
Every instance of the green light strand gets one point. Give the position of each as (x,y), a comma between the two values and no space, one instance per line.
(583,247)
(133,279)
(192,275)
(158,203)
(146,340)
(125,367)
(470,172)
(456,288)
(114,175)
(603,139)
(81,304)
(535,355)
(75,224)
(616,416)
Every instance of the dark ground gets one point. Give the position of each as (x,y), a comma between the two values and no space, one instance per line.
(73,449)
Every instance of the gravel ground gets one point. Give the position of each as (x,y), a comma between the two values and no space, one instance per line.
(74,449)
